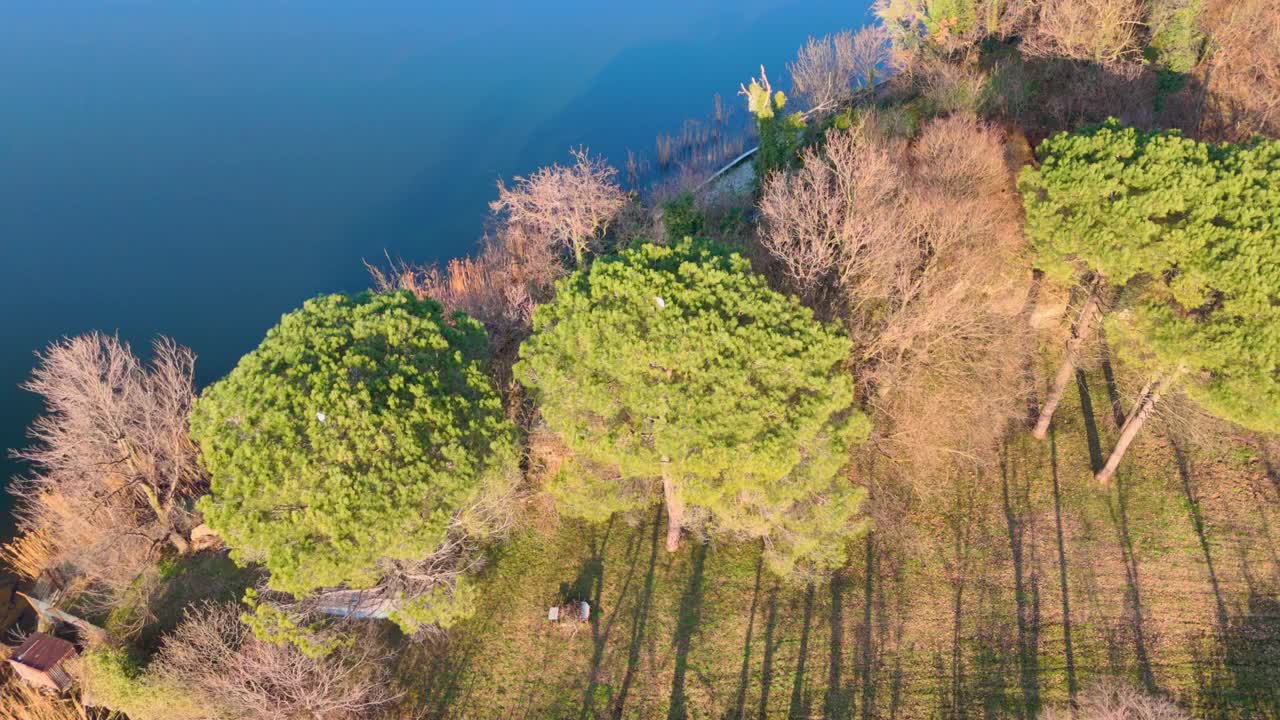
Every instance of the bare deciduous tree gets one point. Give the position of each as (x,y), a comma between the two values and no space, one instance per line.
(912,244)
(113,465)
(213,656)
(499,286)
(827,70)
(571,207)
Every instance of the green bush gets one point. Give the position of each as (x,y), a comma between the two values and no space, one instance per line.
(681,219)
(1176,40)
(115,678)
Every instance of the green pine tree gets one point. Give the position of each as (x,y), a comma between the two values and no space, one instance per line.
(676,366)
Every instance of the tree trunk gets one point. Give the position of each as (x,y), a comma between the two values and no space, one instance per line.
(1080,333)
(1146,404)
(675,507)
(180,543)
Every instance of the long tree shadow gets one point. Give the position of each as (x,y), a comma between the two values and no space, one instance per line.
(1090,424)
(686,624)
(744,675)
(799,698)
(601,623)
(1029,367)
(835,703)
(1027,612)
(1253,655)
(1073,686)
(640,618)
(1109,376)
(1133,597)
(770,647)
(868,654)
(1197,521)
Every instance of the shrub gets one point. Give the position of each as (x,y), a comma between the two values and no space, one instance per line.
(681,218)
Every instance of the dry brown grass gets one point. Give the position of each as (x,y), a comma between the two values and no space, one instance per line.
(913,244)
(19,701)
(29,554)
(1099,31)
(1244,69)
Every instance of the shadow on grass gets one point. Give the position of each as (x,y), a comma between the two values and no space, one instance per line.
(602,624)
(1119,505)
(1197,522)
(868,654)
(686,624)
(639,619)
(1026,601)
(1073,687)
(770,646)
(1108,375)
(1090,424)
(799,698)
(182,583)
(836,702)
(744,675)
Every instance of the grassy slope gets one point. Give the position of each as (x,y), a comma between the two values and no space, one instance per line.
(1171,580)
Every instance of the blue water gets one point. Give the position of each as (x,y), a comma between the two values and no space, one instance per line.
(198,167)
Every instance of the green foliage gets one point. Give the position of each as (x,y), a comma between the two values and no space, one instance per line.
(780,135)
(681,218)
(909,22)
(1176,40)
(579,493)
(350,436)
(443,606)
(1190,231)
(950,17)
(115,678)
(270,624)
(681,353)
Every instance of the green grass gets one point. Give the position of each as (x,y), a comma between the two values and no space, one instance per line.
(953,606)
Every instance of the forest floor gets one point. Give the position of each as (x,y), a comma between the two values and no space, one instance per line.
(982,597)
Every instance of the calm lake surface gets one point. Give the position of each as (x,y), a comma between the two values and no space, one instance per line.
(196,168)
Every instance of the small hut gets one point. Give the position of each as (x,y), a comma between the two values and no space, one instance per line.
(38,661)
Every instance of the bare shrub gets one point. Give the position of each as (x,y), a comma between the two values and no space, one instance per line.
(827,70)
(949,87)
(499,287)
(215,658)
(1243,79)
(113,462)
(913,245)
(1114,700)
(570,207)
(1099,31)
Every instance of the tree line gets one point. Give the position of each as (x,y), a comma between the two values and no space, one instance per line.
(753,378)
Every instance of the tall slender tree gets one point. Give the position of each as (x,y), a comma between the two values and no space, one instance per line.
(1187,235)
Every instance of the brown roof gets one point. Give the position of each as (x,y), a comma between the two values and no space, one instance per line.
(42,652)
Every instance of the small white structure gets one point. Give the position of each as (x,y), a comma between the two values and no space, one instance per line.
(572,611)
